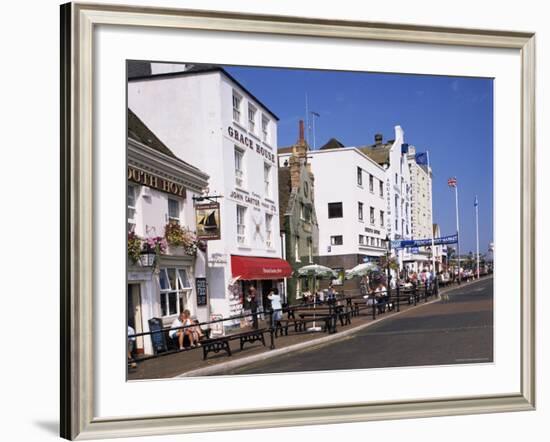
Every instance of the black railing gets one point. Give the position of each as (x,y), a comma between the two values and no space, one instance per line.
(373,303)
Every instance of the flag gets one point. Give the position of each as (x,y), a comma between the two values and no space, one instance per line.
(451,182)
(476,203)
(421,158)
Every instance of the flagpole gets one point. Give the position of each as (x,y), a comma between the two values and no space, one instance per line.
(457,231)
(477,235)
(432,212)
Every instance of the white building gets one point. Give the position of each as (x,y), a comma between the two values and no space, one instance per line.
(160,190)
(213,122)
(421,209)
(350,202)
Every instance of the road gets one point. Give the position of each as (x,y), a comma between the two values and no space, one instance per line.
(458,331)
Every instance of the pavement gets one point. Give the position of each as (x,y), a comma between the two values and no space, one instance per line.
(306,351)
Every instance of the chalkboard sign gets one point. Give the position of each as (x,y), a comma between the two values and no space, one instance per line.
(157,335)
(202,297)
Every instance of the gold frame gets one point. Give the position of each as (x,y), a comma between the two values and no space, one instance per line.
(77,26)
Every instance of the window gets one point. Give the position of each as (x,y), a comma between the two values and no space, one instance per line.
(360,211)
(173,211)
(310,249)
(305,212)
(396,198)
(359,176)
(251,118)
(265,128)
(361,240)
(237,107)
(381,189)
(371,183)
(239,167)
(372,215)
(297,249)
(241,224)
(396,179)
(335,210)
(396,225)
(267,179)
(336,240)
(268,227)
(174,290)
(131,203)
(381,218)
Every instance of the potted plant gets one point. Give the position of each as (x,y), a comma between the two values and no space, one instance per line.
(135,244)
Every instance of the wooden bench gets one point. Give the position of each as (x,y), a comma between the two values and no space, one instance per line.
(221,343)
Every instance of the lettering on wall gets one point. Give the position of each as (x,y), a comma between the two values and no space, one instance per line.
(154,181)
(251,144)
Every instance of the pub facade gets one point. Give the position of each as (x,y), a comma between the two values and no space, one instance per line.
(164,274)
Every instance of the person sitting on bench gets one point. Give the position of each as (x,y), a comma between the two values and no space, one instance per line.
(181,333)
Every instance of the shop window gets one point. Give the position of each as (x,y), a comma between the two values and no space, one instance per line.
(175,289)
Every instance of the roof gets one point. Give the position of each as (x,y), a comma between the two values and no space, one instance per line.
(138,131)
(333,143)
(380,155)
(196,69)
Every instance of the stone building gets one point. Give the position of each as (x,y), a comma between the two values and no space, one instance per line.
(298,219)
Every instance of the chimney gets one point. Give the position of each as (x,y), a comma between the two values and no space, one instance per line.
(378,139)
(301,132)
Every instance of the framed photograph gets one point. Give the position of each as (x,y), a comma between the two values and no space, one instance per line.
(256,203)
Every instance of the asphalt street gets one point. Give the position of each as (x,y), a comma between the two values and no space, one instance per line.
(454,331)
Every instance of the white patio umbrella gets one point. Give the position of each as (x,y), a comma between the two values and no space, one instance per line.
(362,270)
(317,271)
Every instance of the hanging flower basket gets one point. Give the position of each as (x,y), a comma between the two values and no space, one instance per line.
(183,237)
(135,245)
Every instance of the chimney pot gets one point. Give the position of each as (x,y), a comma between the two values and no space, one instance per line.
(378,138)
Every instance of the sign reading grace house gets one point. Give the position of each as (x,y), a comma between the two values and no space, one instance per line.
(248,142)
(156,182)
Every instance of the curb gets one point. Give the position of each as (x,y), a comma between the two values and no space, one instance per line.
(230,365)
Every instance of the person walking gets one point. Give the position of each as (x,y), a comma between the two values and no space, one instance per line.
(253,306)
(276,307)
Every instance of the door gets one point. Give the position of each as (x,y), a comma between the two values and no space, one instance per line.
(134,313)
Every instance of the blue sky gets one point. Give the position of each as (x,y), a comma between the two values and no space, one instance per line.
(452,117)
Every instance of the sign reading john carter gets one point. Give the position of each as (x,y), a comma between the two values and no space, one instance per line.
(156,182)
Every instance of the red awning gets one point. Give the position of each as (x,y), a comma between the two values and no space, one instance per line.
(251,267)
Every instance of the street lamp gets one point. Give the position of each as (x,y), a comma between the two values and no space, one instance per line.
(147,257)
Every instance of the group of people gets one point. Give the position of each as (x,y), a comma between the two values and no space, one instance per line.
(251,304)
(186,330)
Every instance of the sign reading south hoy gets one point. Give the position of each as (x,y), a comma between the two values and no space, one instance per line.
(154,181)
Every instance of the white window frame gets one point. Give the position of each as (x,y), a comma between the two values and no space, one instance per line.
(239,166)
(181,291)
(251,121)
(268,230)
(237,104)
(371,183)
(172,218)
(267,179)
(310,250)
(361,240)
(297,249)
(381,218)
(360,213)
(372,216)
(359,176)
(381,189)
(333,242)
(265,128)
(241,212)
(132,190)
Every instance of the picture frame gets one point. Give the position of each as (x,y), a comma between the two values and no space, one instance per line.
(78,24)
